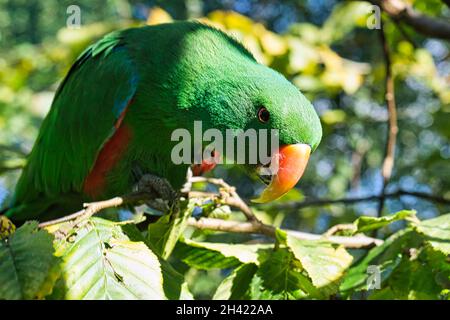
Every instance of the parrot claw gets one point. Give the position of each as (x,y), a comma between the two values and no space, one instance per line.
(162,194)
(158,205)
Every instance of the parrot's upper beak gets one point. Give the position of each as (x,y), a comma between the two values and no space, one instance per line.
(286,169)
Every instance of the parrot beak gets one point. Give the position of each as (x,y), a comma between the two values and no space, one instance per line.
(286,169)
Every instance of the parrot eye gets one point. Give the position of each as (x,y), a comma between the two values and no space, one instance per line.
(263,115)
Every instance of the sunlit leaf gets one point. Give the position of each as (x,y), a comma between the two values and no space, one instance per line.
(324,263)
(281,274)
(100,262)
(236,285)
(437,232)
(207,255)
(164,233)
(28,267)
(366,223)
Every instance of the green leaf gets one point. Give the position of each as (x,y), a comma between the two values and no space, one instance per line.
(174,285)
(236,285)
(412,264)
(28,267)
(207,255)
(324,263)
(164,234)
(436,232)
(281,274)
(365,223)
(100,262)
(411,280)
(383,255)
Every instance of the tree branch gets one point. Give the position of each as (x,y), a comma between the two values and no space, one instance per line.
(401,11)
(389,158)
(351,200)
(227,195)
(95,207)
(358,241)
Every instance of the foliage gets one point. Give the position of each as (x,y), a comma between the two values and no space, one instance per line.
(102,259)
(100,262)
(27,263)
(413,264)
(331,55)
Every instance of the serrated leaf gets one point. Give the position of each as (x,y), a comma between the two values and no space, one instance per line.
(26,262)
(437,232)
(258,292)
(410,266)
(175,287)
(202,258)
(164,234)
(365,223)
(324,263)
(281,274)
(208,255)
(174,284)
(356,277)
(245,253)
(412,281)
(236,285)
(100,262)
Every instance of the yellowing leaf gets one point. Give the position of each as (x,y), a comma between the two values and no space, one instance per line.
(7,228)
(332,117)
(272,43)
(324,263)
(158,16)
(26,262)
(302,56)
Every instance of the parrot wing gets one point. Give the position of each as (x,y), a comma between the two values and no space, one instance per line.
(86,112)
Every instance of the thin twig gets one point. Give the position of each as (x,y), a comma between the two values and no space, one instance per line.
(95,207)
(11,168)
(252,225)
(358,241)
(389,158)
(324,202)
(340,227)
(233,200)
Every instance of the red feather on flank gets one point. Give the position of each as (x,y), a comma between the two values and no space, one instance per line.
(110,154)
(108,157)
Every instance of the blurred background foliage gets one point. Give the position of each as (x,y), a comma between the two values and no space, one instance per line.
(323,47)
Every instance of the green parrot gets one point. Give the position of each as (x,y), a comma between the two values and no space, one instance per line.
(112,117)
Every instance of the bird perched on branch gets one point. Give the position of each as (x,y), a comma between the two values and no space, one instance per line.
(110,124)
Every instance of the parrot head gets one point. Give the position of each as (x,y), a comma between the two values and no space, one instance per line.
(231,90)
(272,103)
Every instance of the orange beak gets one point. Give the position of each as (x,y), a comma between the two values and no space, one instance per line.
(287,167)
